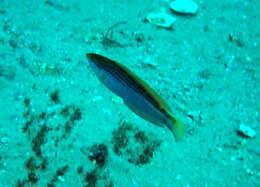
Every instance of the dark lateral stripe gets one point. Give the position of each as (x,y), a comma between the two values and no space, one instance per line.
(124,78)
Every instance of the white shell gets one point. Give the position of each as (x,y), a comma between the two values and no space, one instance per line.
(247,131)
(184,6)
(161,19)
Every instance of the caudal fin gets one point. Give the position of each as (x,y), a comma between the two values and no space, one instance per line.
(177,127)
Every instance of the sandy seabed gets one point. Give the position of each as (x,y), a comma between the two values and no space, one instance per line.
(59,126)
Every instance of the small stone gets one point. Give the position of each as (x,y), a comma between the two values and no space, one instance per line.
(96,98)
(236,38)
(117,100)
(184,6)
(61,179)
(250,172)
(246,131)
(195,115)
(161,19)
(4,140)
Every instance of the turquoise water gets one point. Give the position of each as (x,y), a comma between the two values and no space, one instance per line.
(59,126)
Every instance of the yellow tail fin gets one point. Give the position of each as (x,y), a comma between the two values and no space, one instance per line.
(177,127)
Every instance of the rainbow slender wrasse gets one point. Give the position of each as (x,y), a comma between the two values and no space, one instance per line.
(136,94)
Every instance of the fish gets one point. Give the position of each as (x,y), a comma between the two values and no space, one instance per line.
(136,94)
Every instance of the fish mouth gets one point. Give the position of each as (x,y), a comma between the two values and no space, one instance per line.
(90,55)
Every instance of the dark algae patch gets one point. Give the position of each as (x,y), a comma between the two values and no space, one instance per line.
(33,167)
(39,140)
(33,164)
(120,137)
(91,179)
(133,144)
(59,173)
(55,97)
(44,130)
(72,114)
(94,178)
(98,154)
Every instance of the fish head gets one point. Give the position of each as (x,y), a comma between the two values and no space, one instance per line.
(91,56)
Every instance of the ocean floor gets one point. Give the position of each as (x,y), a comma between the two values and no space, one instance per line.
(59,126)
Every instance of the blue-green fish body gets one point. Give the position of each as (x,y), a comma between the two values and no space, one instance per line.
(136,94)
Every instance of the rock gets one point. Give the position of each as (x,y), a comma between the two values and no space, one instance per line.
(161,19)
(117,100)
(184,6)
(195,115)
(246,131)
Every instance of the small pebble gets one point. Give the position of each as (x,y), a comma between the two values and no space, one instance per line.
(4,140)
(246,131)
(161,19)
(96,99)
(61,179)
(117,100)
(195,115)
(250,172)
(184,7)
